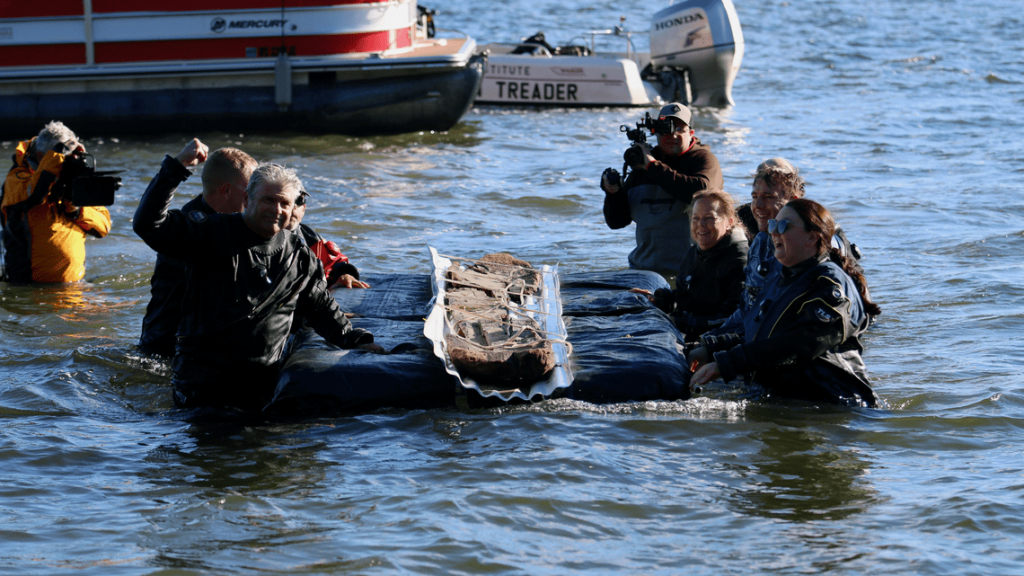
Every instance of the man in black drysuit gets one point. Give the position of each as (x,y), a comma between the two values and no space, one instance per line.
(247,278)
(225,176)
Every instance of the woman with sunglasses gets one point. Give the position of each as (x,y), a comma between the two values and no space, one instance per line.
(776,182)
(800,337)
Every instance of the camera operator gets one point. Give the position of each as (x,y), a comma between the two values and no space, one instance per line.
(658,191)
(43,232)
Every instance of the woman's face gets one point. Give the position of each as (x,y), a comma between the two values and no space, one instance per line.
(795,244)
(709,224)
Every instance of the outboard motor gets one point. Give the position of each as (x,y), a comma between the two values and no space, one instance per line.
(701,41)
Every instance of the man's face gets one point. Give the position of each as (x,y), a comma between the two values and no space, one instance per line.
(765,203)
(271,209)
(678,141)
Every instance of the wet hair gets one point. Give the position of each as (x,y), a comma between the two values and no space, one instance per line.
(273,174)
(816,218)
(779,175)
(50,135)
(226,165)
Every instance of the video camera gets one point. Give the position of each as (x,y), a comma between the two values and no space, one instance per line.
(634,155)
(82,185)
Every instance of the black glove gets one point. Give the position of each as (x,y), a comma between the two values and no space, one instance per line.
(612,176)
(665,300)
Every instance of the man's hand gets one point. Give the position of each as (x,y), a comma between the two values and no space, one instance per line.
(648,157)
(697,357)
(643,291)
(349,281)
(193,154)
(609,181)
(706,374)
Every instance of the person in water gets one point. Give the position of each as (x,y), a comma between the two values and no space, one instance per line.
(225,176)
(247,279)
(801,337)
(43,232)
(337,269)
(658,192)
(709,286)
(776,182)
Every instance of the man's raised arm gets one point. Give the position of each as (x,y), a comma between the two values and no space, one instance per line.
(151,216)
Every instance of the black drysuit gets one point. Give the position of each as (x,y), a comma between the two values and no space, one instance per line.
(242,292)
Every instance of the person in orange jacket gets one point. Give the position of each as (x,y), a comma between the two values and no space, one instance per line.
(44,234)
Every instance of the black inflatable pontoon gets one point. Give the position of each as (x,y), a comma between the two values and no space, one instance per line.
(623,349)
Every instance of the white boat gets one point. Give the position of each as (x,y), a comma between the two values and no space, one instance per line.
(696,50)
(343,66)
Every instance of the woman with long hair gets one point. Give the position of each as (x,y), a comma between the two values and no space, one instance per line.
(800,338)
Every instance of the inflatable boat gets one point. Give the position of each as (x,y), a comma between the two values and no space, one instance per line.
(695,54)
(339,66)
(620,349)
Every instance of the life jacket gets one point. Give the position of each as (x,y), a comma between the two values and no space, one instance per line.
(334,262)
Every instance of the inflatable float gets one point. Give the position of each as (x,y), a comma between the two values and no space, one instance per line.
(610,345)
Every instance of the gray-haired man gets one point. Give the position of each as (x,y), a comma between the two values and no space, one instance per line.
(246,282)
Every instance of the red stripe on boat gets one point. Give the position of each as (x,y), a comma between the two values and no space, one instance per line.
(52,8)
(42,55)
(219,48)
(14,9)
(107,6)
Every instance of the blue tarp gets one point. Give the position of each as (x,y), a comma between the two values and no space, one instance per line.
(624,349)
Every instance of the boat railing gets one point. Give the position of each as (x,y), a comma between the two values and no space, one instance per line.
(450,31)
(631,51)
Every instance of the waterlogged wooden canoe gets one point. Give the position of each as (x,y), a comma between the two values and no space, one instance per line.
(496,323)
(491,341)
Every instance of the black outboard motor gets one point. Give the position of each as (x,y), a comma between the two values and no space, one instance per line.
(701,41)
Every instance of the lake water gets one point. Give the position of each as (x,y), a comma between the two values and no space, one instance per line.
(904,116)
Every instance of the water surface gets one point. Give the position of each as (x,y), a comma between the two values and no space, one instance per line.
(905,119)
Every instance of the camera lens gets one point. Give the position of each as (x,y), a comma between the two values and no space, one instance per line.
(633,156)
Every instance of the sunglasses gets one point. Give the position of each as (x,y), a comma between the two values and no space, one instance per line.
(778,226)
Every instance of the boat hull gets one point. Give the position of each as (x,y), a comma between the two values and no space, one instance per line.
(545,80)
(696,50)
(365,102)
(338,66)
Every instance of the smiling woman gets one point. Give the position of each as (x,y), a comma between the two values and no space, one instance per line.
(801,337)
(709,285)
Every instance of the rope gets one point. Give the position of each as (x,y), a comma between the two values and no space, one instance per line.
(477,261)
(509,344)
(499,305)
(479,287)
